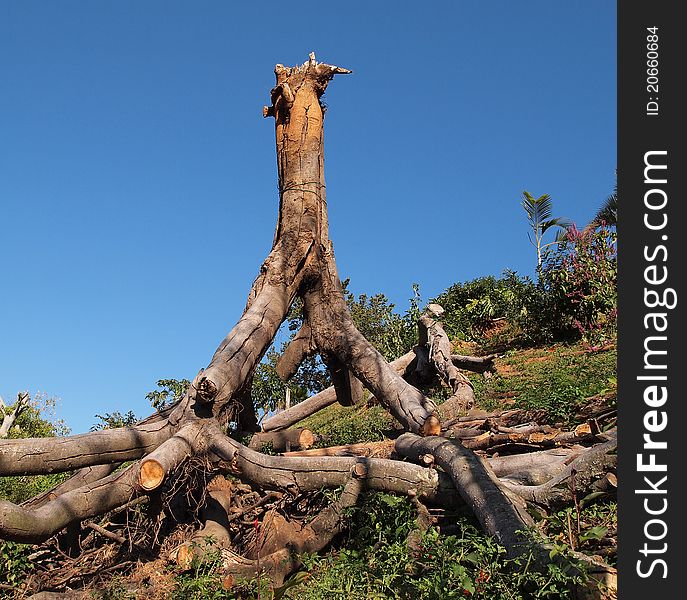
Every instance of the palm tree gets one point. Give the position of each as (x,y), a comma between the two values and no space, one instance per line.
(539,211)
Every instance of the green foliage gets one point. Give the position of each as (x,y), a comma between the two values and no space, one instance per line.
(471,307)
(376,562)
(575,297)
(203,580)
(170,392)
(389,332)
(114,590)
(560,403)
(585,526)
(38,419)
(15,565)
(607,215)
(539,214)
(206,581)
(21,488)
(114,420)
(581,279)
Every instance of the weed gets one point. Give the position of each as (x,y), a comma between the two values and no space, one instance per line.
(14,563)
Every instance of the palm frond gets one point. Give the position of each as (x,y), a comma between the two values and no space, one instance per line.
(561,222)
(537,209)
(608,213)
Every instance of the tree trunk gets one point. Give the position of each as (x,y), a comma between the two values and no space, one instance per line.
(188,441)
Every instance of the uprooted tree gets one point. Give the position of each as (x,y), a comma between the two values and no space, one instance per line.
(115,468)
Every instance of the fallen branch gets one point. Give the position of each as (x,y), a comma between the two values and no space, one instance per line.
(33,525)
(33,456)
(381,449)
(327,397)
(491,504)
(548,438)
(302,474)
(281,441)
(587,472)
(432,334)
(407,366)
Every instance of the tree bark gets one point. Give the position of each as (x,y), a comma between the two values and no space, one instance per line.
(588,472)
(492,505)
(214,534)
(32,456)
(299,348)
(432,334)
(281,441)
(302,474)
(327,397)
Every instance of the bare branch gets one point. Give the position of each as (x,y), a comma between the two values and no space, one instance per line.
(9,418)
(31,456)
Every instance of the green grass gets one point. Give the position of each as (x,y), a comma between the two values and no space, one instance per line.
(339,425)
(557,379)
(21,488)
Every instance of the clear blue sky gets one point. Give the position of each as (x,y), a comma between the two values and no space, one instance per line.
(138,182)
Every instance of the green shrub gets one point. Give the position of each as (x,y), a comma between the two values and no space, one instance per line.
(20,488)
(390,333)
(575,297)
(471,307)
(580,277)
(376,562)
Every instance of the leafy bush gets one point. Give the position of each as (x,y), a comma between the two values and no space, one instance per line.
(390,333)
(575,297)
(37,420)
(580,276)
(170,392)
(20,488)
(472,307)
(114,420)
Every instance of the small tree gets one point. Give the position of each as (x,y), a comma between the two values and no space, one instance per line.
(581,280)
(539,211)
